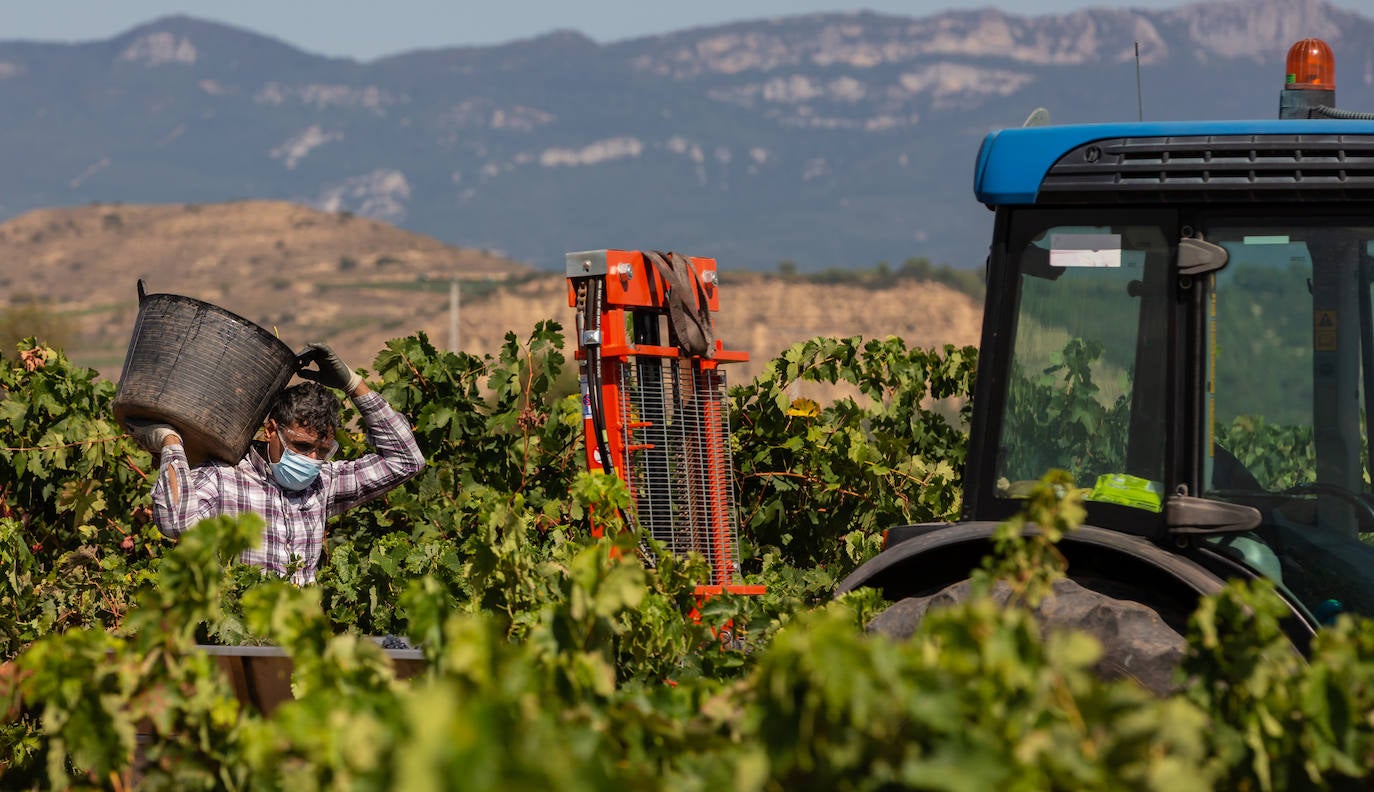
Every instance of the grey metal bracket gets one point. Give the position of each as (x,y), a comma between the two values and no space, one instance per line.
(1197,256)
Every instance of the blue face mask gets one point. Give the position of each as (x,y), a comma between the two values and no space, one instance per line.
(294,471)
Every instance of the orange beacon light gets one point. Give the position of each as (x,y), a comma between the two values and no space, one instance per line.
(1309,84)
(1311,66)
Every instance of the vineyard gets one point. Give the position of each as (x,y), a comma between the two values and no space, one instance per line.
(556,661)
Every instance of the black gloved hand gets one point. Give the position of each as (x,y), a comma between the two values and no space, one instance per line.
(332,372)
(150,434)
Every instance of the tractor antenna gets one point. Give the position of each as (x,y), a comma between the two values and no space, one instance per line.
(1038,117)
(1139,101)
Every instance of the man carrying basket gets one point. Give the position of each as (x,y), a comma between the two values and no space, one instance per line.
(290,478)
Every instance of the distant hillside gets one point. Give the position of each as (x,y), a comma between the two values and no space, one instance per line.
(300,271)
(357,283)
(828,140)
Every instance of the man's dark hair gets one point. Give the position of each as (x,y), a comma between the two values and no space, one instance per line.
(308,405)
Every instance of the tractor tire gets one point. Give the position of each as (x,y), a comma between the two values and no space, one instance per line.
(1136,642)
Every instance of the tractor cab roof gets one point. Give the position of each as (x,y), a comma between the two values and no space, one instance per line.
(1184,158)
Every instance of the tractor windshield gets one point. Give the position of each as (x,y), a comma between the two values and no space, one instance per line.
(1287,332)
(1086,387)
(1249,384)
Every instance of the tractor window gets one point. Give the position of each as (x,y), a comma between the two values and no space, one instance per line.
(1289,342)
(1261,323)
(1085,389)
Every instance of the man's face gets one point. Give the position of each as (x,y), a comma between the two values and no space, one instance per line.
(300,439)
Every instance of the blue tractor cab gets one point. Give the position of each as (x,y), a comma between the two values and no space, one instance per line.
(1180,315)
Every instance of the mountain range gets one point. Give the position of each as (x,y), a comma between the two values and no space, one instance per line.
(825,140)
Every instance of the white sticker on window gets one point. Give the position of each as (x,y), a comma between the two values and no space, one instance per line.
(1275,239)
(1085,250)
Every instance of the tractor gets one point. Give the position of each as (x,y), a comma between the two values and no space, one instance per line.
(1181,316)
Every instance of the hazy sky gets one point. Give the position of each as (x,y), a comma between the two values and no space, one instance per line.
(366,29)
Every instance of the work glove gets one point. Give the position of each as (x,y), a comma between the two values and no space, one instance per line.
(150,434)
(332,372)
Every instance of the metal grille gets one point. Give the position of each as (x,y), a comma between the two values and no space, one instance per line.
(680,472)
(1207,168)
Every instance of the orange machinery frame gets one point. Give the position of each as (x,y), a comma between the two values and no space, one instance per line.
(628,299)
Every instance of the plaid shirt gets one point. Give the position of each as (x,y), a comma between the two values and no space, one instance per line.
(294,538)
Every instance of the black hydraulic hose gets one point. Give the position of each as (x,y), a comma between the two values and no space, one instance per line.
(1345,115)
(593,347)
(593,321)
(598,418)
